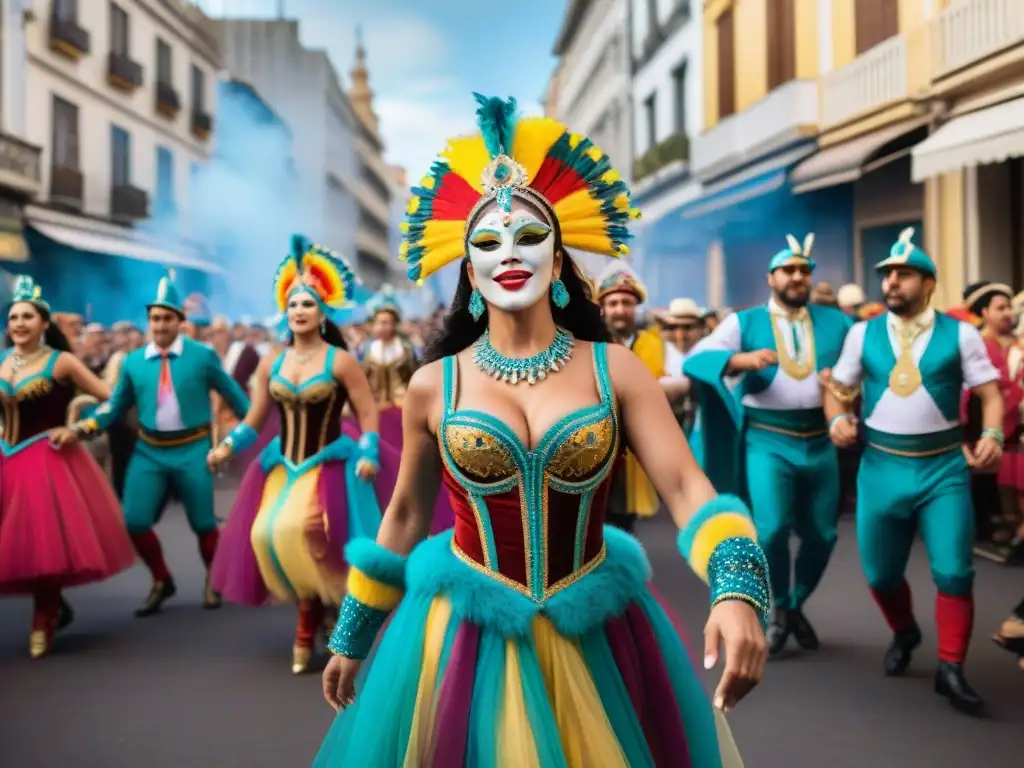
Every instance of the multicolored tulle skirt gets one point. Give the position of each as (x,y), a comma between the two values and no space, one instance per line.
(471,673)
(289,525)
(60,522)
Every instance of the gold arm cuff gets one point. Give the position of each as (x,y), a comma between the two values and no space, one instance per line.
(843,393)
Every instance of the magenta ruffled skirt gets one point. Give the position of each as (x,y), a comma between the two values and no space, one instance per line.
(60,523)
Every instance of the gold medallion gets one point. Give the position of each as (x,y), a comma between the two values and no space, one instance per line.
(798,371)
(905,377)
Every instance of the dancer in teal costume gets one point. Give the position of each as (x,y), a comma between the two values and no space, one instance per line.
(914,476)
(766,439)
(170,380)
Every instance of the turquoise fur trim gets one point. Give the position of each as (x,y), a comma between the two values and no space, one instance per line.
(717,506)
(603,593)
(377,562)
(497,121)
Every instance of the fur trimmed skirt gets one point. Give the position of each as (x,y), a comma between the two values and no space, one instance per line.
(471,673)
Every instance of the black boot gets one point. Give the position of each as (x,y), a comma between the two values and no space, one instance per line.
(951,683)
(778,632)
(66,614)
(158,595)
(802,630)
(901,650)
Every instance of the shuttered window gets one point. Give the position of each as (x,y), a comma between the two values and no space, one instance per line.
(781,41)
(876,21)
(726,65)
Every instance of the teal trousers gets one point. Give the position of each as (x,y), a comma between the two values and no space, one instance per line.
(793,484)
(152,469)
(897,496)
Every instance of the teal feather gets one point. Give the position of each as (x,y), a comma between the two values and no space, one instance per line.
(497,121)
(376,562)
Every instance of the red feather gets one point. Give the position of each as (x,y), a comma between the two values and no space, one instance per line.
(455,191)
(556,181)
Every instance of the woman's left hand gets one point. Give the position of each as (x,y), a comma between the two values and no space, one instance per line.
(366,470)
(735,624)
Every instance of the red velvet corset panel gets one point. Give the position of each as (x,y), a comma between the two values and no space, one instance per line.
(531,519)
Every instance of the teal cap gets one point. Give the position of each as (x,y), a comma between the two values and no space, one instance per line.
(795,254)
(167,296)
(905,254)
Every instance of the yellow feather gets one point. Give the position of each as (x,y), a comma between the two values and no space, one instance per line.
(574,140)
(592,243)
(595,153)
(468,157)
(435,258)
(533,140)
(610,177)
(584,225)
(403,251)
(621,201)
(413,204)
(579,205)
(403,227)
(438,233)
(428,182)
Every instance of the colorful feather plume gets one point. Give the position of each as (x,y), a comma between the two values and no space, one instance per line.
(318,269)
(590,200)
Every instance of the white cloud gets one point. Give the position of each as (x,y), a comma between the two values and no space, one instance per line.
(416,129)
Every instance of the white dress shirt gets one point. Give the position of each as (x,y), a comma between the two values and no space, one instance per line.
(168,409)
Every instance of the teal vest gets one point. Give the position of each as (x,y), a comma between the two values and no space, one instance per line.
(941,372)
(828,325)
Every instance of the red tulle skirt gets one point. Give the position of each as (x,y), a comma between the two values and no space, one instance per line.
(60,522)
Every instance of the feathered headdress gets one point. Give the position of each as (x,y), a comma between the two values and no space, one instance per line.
(384,300)
(536,159)
(795,253)
(317,270)
(25,289)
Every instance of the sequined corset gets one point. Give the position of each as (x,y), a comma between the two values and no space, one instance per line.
(389,381)
(531,519)
(310,411)
(35,405)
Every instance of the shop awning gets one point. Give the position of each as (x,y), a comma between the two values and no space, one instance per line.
(987,136)
(111,245)
(13,247)
(847,162)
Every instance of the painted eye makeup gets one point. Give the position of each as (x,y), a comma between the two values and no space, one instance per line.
(531,232)
(486,239)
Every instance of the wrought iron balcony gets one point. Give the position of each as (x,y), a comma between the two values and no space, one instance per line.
(123,73)
(168,103)
(128,202)
(68,38)
(202,124)
(19,165)
(66,187)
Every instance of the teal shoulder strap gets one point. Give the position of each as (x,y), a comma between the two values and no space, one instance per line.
(449,376)
(604,381)
(329,360)
(48,370)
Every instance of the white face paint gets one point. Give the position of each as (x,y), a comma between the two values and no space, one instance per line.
(513,257)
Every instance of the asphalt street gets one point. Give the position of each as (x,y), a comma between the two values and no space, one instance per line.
(200,689)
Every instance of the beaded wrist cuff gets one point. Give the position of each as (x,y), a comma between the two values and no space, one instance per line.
(241,437)
(738,570)
(357,629)
(369,448)
(996,434)
(723,517)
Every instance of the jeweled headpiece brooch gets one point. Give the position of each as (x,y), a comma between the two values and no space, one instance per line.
(25,289)
(534,158)
(317,270)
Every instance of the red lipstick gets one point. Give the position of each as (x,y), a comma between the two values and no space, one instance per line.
(513,280)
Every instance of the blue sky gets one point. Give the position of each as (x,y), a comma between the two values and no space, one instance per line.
(426,58)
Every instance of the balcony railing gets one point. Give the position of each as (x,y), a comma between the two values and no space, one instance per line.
(123,73)
(872,81)
(770,124)
(202,124)
(967,31)
(675,148)
(128,202)
(19,164)
(66,187)
(68,38)
(373,244)
(168,103)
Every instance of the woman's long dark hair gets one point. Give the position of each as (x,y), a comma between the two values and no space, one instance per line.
(53,336)
(330,333)
(581,316)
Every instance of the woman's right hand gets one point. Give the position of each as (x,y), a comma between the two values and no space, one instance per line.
(339,681)
(218,456)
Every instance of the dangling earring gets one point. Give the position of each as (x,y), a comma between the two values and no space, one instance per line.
(559,293)
(476,305)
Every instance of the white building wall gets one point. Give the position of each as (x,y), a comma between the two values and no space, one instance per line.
(100,105)
(269,56)
(14,67)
